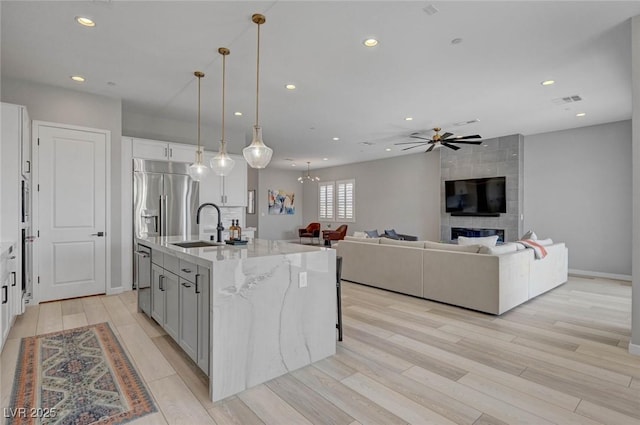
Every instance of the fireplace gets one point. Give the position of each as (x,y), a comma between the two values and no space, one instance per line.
(476,233)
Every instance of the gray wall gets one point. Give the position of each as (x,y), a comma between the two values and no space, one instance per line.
(58,105)
(501,156)
(251,220)
(635,67)
(278,227)
(578,190)
(402,193)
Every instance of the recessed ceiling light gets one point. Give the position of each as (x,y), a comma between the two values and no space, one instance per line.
(548,82)
(237,114)
(408,119)
(336,139)
(456,41)
(485,145)
(581,114)
(290,87)
(293,165)
(370,42)
(388,149)
(325,159)
(78,78)
(85,22)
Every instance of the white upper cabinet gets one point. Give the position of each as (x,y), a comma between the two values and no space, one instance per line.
(229,191)
(163,151)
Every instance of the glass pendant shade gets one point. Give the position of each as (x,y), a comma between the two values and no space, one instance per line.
(257,154)
(198,171)
(222,163)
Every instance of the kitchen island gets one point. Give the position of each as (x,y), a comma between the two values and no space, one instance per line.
(245,314)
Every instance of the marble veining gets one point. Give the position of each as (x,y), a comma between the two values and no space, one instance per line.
(263,324)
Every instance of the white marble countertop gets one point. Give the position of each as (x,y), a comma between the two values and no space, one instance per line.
(206,255)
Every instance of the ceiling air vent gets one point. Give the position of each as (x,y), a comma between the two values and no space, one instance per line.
(367,143)
(461,123)
(430,10)
(567,99)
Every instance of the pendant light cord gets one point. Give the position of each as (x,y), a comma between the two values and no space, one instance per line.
(258,75)
(199,78)
(224,68)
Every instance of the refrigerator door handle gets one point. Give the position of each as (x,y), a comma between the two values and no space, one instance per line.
(160,217)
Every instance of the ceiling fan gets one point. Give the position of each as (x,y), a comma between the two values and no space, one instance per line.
(447,139)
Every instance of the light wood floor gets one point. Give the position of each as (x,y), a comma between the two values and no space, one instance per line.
(559,359)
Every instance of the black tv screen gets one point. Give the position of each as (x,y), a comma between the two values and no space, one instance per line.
(485,196)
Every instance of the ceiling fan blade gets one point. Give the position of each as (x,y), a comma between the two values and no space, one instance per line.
(455,148)
(430,148)
(418,137)
(411,147)
(446,135)
(475,136)
(408,143)
(466,142)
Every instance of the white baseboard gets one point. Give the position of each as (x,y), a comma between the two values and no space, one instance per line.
(115,291)
(589,273)
(634,349)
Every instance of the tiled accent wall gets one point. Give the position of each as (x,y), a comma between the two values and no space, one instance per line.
(502,156)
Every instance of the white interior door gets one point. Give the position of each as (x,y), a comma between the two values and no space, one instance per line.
(72,212)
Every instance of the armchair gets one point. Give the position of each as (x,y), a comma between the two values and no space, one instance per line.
(311,231)
(334,235)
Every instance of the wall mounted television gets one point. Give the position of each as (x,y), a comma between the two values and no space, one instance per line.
(476,197)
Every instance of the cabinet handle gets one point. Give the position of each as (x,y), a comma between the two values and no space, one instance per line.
(5,294)
(161,283)
(186,270)
(170,152)
(166,153)
(197,283)
(15,279)
(28,167)
(186,284)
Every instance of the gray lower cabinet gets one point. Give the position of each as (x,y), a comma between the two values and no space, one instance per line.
(180,304)
(204,318)
(172,305)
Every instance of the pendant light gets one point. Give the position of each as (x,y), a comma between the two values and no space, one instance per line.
(222,164)
(308,177)
(257,154)
(197,171)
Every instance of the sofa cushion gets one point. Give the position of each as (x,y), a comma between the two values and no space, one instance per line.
(530,235)
(451,247)
(372,233)
(489,241)
(398,242)
(363,240)
(499,249)
(359,235)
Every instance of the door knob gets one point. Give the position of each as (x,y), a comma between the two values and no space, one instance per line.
(99,234)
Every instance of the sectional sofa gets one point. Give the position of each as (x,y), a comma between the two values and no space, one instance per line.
(490,280)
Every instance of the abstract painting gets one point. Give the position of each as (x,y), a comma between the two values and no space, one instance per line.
(281,202)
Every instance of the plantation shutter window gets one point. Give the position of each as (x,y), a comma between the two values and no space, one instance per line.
(345,200)
(326,194)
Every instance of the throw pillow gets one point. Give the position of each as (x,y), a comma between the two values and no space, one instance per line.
(544,242)
(489,241)
(530,235)
(359,235)
(451,247)
(391,234)
(372,233)
(500,249)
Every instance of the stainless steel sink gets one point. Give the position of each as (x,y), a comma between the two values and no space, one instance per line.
(196,244)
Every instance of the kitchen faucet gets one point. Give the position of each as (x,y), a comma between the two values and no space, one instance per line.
(219,229)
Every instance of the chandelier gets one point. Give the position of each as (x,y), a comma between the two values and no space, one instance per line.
(308,177)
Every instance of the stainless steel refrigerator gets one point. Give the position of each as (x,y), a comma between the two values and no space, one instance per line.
(165,201)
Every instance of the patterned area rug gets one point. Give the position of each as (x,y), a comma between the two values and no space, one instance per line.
(80,376)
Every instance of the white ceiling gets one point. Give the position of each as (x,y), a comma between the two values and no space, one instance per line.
(150,50)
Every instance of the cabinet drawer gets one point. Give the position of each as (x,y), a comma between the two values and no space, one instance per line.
(171,264)
(188,270)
